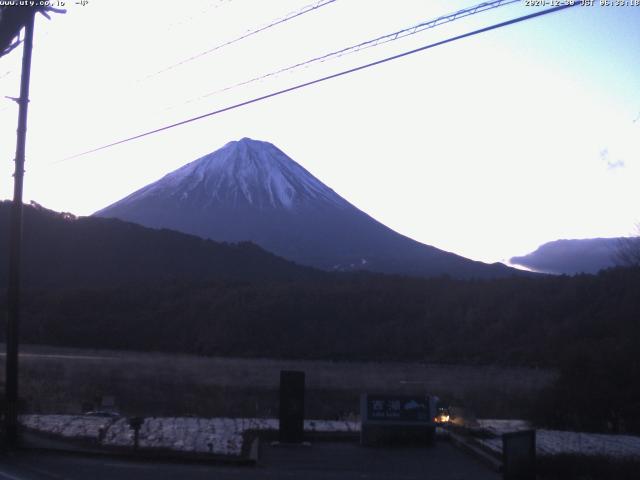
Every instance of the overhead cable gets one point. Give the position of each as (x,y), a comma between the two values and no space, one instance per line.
(328,77)
(390,37)
(289,16)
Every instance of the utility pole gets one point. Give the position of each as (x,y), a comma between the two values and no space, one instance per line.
(15,244)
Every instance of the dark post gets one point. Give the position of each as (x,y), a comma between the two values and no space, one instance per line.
(15,240)
(135,423)
(291,407)
(519,455)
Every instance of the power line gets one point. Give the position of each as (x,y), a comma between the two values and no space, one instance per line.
(289,16)
(390,37)
(523,18)
(213,5)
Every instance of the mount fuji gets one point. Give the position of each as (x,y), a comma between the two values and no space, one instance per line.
(250,190)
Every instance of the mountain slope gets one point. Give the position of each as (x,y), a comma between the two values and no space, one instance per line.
(63,251)
(573,256)
(251,190)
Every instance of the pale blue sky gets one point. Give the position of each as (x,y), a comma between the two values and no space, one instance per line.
(486,147)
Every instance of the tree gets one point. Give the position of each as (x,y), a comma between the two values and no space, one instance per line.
(628,251)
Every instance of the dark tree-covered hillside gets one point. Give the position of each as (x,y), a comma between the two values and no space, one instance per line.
(61,250)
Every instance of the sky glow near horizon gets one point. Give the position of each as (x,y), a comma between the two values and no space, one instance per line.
(487,147)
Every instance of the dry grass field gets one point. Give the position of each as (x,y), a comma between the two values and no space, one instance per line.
(62,380)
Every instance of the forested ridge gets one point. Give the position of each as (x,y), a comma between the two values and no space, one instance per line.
(357,316)
(64,251)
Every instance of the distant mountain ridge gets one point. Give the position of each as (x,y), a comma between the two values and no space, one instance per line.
(573,256)
(250,190)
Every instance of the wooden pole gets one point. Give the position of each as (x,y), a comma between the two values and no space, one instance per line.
(15,246)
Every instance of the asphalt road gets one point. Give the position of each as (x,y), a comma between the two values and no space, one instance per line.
(327,461)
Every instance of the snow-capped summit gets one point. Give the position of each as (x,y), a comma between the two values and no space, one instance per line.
(250,190)
(248,172)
